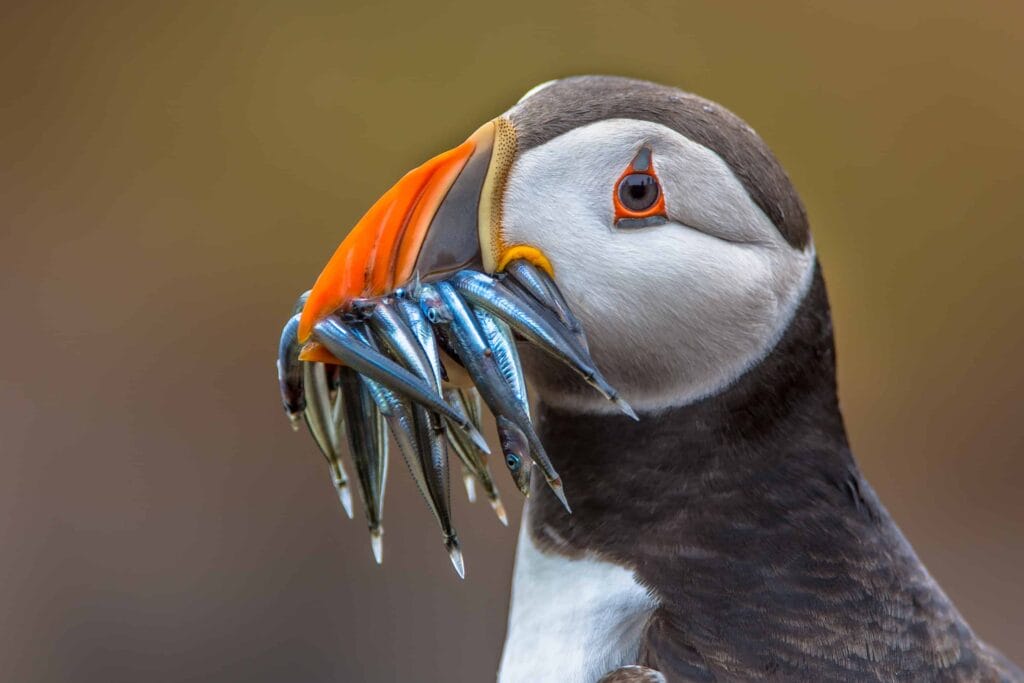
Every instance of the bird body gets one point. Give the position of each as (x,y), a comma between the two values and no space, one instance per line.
(754,548)
(730,527)
(658,258)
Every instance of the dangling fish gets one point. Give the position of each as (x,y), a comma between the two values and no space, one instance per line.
(444,303)
(380,360)
(474,461)
(305,395)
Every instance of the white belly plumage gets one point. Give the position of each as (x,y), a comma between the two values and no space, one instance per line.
(570,620)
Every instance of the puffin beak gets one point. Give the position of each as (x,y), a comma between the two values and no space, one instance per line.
(439,218)
(437,235)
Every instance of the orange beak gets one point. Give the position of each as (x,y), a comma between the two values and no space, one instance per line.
(432,222)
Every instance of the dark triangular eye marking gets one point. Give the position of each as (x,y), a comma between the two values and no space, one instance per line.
(642,160)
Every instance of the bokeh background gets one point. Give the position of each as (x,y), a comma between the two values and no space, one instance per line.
(173,174)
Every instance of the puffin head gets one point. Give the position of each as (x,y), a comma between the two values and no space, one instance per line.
(670,228)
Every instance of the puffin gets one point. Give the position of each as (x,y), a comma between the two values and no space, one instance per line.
(720,529)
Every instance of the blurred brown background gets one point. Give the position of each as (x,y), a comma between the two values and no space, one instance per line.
(174,174)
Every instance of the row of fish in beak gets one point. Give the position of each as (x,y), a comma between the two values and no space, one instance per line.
(393,378)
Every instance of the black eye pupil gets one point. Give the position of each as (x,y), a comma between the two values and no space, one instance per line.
(638,191)
(512,460)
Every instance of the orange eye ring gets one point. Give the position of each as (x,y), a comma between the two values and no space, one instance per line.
(638,195)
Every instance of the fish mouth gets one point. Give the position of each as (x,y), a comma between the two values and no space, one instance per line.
(425,282)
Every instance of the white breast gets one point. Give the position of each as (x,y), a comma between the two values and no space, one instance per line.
(571,620)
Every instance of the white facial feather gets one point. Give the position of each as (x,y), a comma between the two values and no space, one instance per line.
(673,312)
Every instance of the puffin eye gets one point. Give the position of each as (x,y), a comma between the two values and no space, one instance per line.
(639,201)
(639,191)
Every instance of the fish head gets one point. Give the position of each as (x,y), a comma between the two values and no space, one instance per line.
(434,308)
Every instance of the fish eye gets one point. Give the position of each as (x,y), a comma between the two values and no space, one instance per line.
(638,192)
(432,315)
(512,460)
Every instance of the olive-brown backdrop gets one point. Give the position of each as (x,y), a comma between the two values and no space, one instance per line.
(173,174)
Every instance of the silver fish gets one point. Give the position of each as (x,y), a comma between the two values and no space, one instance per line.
(321,425)
(474,461)
(289,372)
(390,327)
(486,292)
(399,415)
(477,356)
(433,444)
(457,399)
(471,401)
(541,287)
(429,455)
(515,448)
(333,373)
(466,455)
(368,446)
(506,356)
(397,411)
(409,346)
(300,302)
(356,354)
(420,327)
(468,480)
(515,445)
